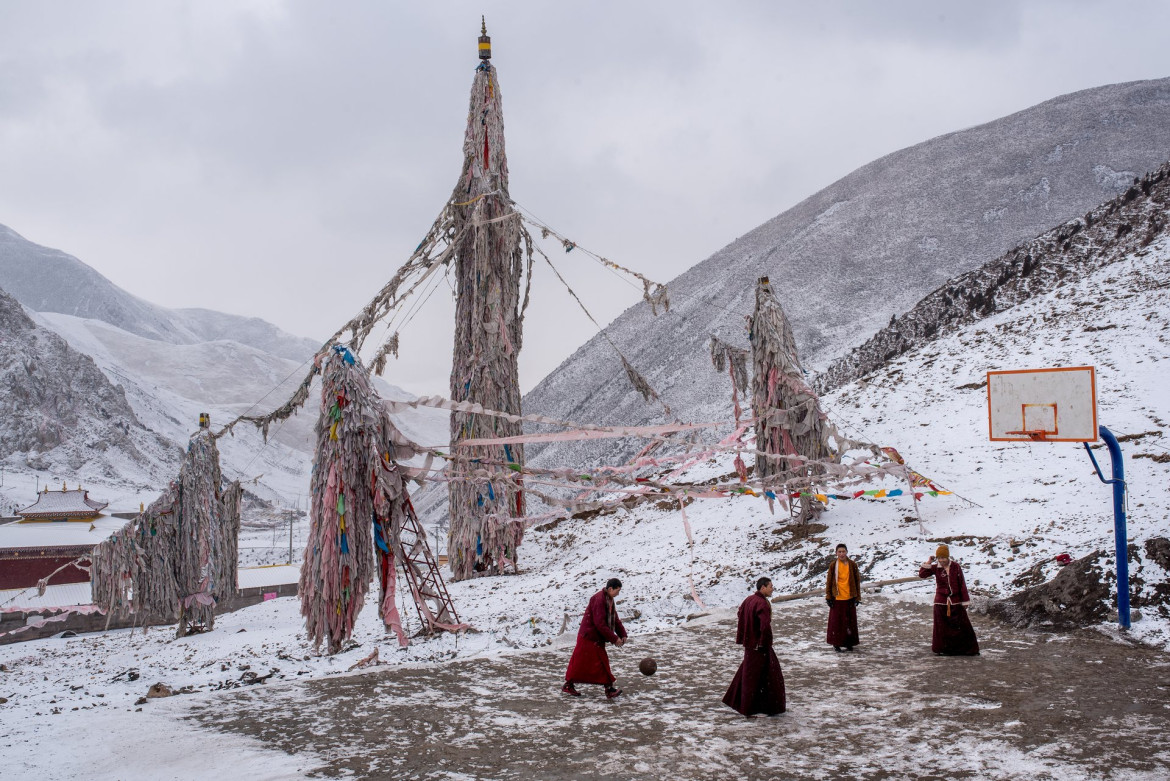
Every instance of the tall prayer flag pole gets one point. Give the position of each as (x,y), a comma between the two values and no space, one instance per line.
(778,384)
(485,527)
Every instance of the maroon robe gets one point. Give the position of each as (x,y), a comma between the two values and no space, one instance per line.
(758,686)
(842,631)
(600,625)
(953,634)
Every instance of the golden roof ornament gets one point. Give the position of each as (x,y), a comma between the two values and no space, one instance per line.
(485,42)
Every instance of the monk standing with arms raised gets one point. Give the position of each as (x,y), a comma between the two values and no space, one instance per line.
(953,633)
(758,686)
(600,625)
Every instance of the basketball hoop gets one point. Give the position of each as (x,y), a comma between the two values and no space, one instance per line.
(1042,405)
(1035,436)
(1022,406)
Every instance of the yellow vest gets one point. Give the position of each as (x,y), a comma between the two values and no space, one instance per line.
(843,580)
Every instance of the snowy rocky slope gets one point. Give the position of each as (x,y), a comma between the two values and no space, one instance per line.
(62,414)
(173,364)
(865,248)
(1106,234)
(1045,498)
(168,385)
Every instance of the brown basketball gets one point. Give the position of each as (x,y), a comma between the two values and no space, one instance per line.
(648,666)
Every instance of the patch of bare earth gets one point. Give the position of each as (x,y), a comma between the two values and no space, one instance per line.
(1042,706)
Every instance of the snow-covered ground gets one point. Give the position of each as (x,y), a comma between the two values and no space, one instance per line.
(1038,499)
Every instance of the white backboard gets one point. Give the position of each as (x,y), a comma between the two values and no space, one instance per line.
(1042,405)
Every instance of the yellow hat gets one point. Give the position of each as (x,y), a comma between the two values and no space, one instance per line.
(942,552)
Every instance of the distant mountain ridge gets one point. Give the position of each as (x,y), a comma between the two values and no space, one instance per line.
(865,248)
(49,280)
(1107,234)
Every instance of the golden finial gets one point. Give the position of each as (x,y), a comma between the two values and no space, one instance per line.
(485,43)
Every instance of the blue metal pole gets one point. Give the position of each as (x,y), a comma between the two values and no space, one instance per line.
(1119,531)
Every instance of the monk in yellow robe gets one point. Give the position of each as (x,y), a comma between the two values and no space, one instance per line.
(843,593)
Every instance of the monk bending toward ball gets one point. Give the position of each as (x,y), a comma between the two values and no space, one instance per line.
(599,625)
(758,686)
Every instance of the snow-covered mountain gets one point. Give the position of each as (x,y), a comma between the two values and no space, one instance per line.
(172,364)
(1013,509)
(61,413)
(863,249)
(168,386)
(49,280)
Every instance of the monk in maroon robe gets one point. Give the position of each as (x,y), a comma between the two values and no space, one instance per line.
(953,633)
(599,625)
(758,686)
(843,593)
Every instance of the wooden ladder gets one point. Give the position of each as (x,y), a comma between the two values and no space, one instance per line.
(431,599)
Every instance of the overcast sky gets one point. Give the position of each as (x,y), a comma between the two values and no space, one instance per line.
(282,159)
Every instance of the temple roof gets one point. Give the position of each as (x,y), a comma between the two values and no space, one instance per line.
(63,504)
(39,534)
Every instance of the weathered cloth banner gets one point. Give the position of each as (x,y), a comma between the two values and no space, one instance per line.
(178,558)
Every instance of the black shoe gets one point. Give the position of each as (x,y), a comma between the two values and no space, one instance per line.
(849,649)
(837,648)
(611,692)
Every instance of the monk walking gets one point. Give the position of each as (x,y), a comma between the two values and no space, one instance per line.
(600,625)
(953,633)
(758,686)
(843,593)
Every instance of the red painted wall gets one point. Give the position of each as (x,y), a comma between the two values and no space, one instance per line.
(22,568)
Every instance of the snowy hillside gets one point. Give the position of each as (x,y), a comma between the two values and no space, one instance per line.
(1106,234)
(1015,506)
(174,364)
(168,386)
(62,415)
(865,248)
